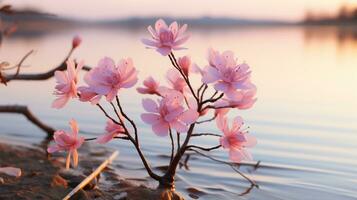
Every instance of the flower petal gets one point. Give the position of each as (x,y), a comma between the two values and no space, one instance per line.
(150,105)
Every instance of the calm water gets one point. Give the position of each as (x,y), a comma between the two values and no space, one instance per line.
(305,118)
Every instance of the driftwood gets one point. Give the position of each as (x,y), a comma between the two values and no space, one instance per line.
(40,76)
(19,109)
(92,175)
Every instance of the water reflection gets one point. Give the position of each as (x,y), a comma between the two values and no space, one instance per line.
(304,118)
(345,36)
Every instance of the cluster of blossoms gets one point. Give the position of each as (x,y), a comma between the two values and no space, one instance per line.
(179,105)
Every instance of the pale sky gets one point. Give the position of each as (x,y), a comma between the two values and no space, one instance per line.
(255,9)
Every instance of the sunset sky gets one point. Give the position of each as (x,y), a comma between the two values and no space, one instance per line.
(256,9)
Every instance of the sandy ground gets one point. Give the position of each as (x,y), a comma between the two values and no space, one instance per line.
(43,177)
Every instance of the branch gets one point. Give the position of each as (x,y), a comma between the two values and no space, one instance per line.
(178,141)
(107,115)
(212,100)
(18,66)
(172,146)
(232,165)
(44,75)
(28,114)
(203,92)
(130,120)
(136,144)
(207,120)
(203,148)
(123,138)
(205,134)
(176,65)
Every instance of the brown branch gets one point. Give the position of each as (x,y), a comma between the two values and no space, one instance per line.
(232,165)
(203,148)
(28,114)
(172,146)
(106,114)
(123,138)
(18,66)
(178,141)
(45,75)
(136,144)
(187,80)
(212,100)
(205,134)
(207,120)
(130,120)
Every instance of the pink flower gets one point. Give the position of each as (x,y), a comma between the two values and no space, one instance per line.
(227,75)
(185,64)
(68,141)
(166,38)
(107,79)
(235,139)
(245,101)
(168,113)
(76,41)
(176,81)
(151,86)
(112,130)
(66,87)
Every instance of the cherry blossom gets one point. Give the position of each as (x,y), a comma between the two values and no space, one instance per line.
(112,130)
(107,79)
(151,86)
(235,139)
(66,87)
(68,141)
(166,38)
(168,113)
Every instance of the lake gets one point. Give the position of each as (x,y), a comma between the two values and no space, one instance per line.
(305,118)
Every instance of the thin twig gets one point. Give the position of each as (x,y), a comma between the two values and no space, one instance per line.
(187,80)
(28,114)
(115,110)
(123,138)
(205,134)
(232,165)
(172,145)
(199,89)
(130,120)
(207,120)
(178,141)
(203,148)
(212,100)
(92,175)
(107,115)
(203,92)
(21,61)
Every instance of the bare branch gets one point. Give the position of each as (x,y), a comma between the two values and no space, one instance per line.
(172,146)
(203,148)
(207,120)
(232,165)
(107,115)
(44,75)
(176,65)
(18,66)
(28,114)
(123,138)
(205,134)
(178,141)
(130,121)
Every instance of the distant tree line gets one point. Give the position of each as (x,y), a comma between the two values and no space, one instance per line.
(346,15)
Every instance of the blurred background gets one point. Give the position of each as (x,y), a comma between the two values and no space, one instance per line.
(303,54)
